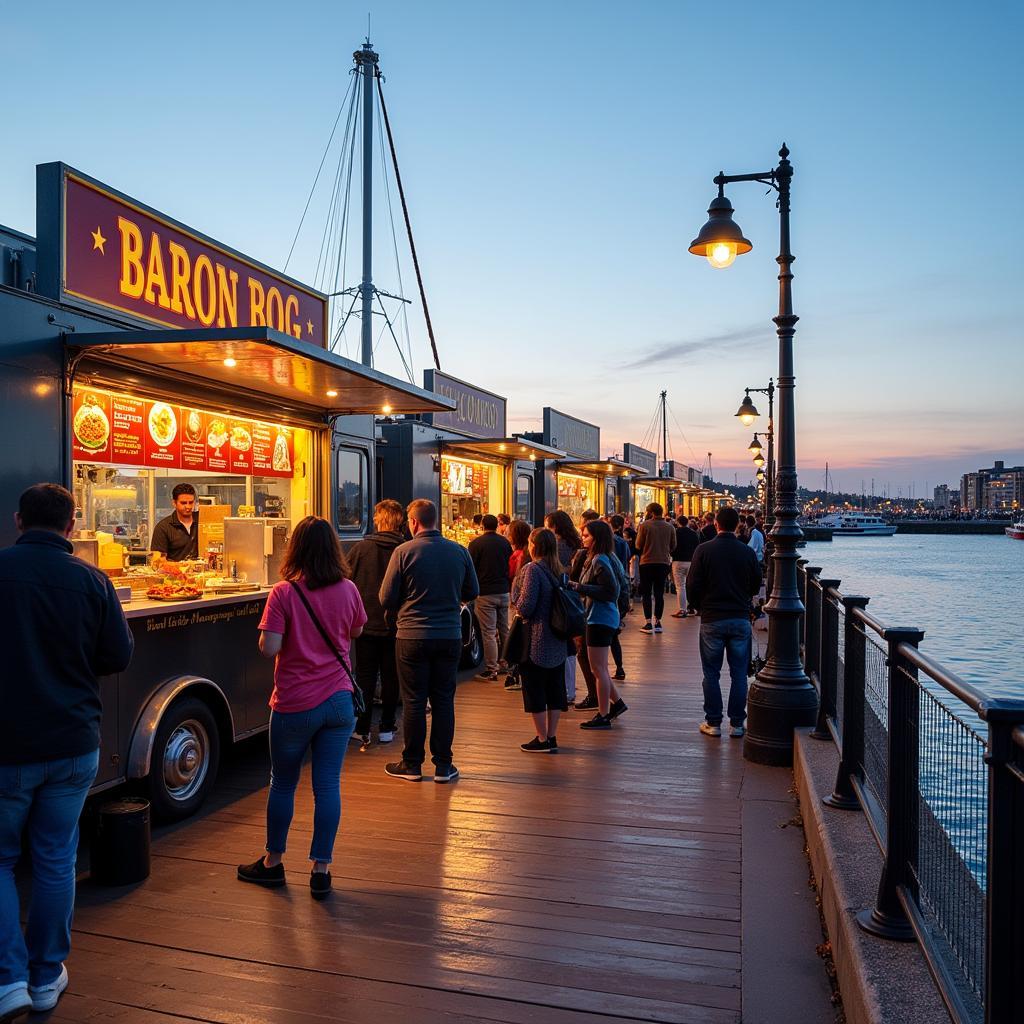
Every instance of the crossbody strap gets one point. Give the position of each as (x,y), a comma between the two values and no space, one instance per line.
(323,632)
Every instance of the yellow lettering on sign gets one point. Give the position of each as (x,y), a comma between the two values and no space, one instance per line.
(132,279)
(181,272)
(275,309)
(204,289)
(291,308)
(257,318)
(227,297)
(155,276)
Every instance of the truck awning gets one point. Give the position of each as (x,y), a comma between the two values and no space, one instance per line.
(603,467)
(261,362)
(501,447)
(664,481)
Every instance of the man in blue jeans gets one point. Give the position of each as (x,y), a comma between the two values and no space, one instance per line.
(62,627)
(425,584)
(724,576)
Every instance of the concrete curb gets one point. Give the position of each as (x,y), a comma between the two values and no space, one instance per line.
(881,982)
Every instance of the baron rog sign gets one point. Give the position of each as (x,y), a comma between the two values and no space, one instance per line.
(105,249)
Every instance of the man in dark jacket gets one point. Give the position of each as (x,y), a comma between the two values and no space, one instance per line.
(723,577)
(490,553)
(682,554)
(62,627)
(426,582)
(375,646)
(708,531)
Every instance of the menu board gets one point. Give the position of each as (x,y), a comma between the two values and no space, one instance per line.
(125,431)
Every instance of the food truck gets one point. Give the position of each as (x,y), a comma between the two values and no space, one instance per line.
(138,354)
(580,479)
(659,484)
(464,459)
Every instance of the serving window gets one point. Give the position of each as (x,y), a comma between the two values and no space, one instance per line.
(468,489)
(129,454)
(576,494)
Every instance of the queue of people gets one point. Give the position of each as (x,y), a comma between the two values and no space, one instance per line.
(389,610)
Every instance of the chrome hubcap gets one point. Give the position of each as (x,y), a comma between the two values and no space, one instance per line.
(186,760)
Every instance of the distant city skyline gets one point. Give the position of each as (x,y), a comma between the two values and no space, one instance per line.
(559,158)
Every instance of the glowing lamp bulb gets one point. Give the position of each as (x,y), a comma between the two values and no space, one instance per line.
(746,419)
(230,363)
(721,254)
(759,460)
(386,409)
(332,393)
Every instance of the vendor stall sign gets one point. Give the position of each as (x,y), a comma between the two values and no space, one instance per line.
(101,248)
(477,412)
(642,458)
(576,437)
(121,430)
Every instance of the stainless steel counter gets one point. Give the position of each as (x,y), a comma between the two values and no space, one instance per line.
(139,607)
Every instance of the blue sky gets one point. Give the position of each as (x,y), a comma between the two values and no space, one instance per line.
(558,159)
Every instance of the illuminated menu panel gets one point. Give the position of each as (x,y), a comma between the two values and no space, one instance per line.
(125,431)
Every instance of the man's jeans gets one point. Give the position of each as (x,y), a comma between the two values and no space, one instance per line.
(326,730)
(426,670)
(46,797)
(492,614)
(679,571)
(731,637)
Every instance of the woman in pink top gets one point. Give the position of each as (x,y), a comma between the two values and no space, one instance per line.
(311,706)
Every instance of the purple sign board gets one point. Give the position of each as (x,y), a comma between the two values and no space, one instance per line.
(477,412)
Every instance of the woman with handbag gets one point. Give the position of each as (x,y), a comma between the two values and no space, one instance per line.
(310,619)
(542,667)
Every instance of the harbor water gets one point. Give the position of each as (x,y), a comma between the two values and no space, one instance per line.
(965,592)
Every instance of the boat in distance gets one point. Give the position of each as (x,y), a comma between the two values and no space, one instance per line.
(1016,530)
(857,524)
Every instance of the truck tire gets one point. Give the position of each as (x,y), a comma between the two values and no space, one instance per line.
(473,649)
(186,754)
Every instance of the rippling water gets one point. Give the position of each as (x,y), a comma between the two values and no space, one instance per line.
(966,593)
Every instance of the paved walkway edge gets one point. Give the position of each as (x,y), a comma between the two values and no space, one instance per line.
(881,982)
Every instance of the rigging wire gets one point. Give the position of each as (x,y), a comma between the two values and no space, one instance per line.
(327,148)
(682,434)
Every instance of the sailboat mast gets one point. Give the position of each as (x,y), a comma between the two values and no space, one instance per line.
(664,431)
(366,62)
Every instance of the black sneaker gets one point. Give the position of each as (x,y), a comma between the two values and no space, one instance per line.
(647,628)
(365,742)
(512,683)
(657,626)
(259,874)
(587,704)
(319,884)
(599,721)
(446,773)
(536,746)
(620,674)
(553,744)
(401,770)
(617,708)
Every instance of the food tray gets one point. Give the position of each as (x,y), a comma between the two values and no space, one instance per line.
(176,597)
(232,588)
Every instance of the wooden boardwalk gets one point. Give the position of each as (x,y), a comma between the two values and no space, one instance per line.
(600,884)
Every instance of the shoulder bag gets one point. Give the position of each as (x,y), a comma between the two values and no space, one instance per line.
(568,619)
(358,701)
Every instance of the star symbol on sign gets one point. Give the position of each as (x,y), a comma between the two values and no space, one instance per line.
(98,241)
(309,326)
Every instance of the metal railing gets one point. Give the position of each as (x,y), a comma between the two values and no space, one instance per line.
(937,767)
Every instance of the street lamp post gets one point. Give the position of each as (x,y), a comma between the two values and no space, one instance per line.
(746,414)
(782,697)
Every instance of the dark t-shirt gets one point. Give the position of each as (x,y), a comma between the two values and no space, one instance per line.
(172,539)
(490,553)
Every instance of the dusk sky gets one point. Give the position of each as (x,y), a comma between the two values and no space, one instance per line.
(558,159)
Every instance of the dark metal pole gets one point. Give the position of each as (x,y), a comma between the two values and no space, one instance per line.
(782,697)
(664,428)
(366,61)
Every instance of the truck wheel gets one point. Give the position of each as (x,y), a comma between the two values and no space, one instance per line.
(473,651)
(186,754)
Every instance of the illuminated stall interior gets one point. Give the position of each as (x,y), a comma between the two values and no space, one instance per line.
(662,489)
(484,477)
(581,485)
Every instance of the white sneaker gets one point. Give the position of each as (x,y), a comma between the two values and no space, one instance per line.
(710,730)
(736,731)
(385,737)
(44,997)
(15,1000)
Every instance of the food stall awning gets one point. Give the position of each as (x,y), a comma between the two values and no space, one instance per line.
(603,467)
(261,362)
(664,481)
(502,447)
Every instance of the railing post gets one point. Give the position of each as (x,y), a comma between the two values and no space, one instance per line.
(851,742)
(801,586)
(828,667)
(1004,895)
(902,806)
(810,627)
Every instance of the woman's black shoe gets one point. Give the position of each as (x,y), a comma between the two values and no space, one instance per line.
(617,708)
(319,884)
(537,746)
(259,874)
(599,721)
(587,704)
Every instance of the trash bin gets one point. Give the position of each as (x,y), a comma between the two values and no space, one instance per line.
(120,848)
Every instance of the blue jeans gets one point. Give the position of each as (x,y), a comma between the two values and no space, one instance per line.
(46,798)
(731,637)
(325,730)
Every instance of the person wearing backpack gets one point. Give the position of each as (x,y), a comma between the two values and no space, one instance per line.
(543,671)
(599,587)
